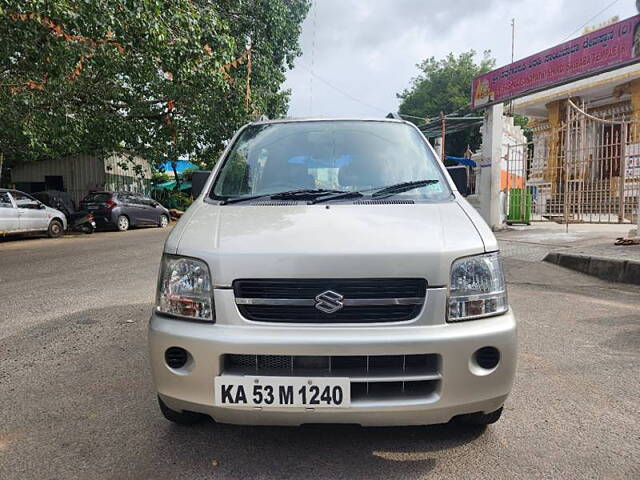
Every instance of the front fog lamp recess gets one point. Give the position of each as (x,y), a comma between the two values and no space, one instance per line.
(487,357)
(477,288)
(184,289)
(176,357)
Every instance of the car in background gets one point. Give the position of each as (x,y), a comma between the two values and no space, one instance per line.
(21,213)
(77,220)
(122,210)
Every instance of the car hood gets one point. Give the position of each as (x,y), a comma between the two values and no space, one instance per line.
(327,241)
(53,212)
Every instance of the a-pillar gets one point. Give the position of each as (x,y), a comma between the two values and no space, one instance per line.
(491,165)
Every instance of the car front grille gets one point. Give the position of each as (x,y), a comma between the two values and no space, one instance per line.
(359,300)
(373,377)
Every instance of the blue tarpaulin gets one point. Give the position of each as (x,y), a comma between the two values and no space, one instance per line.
(181,166)
(171,185)
(463,161)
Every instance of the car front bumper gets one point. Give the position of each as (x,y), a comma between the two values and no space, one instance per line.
(463,388)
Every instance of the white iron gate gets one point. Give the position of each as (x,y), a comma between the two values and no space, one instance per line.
(586,170)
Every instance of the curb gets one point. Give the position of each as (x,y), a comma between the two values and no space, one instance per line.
(612,270)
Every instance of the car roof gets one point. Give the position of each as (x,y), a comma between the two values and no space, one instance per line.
(110,192)
(330,119)
(117,192)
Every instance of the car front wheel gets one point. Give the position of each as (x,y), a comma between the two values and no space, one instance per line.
(164,221)
(123,223)
(55,229)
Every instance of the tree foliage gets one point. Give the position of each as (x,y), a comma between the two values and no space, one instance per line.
(445,86)
(158,78)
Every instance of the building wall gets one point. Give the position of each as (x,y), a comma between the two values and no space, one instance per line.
(84,173)
(121,174)
(80,174)
(512,142)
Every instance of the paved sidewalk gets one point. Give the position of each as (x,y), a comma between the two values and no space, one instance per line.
(586,248)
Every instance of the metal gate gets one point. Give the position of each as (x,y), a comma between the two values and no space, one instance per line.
(586,170)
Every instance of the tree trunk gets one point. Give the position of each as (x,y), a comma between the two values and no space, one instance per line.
(175,172)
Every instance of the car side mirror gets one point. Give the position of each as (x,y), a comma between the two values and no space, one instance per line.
(460,178)
(198,181)
(41,206)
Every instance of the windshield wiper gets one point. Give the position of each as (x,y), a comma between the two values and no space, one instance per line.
(244,198)
(288,195)
(303,193)
(336,196)
(402,187)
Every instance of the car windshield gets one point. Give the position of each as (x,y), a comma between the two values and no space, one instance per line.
(97,197)
(354,156)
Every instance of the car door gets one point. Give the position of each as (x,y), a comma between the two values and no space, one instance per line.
(32,216)
(151,213)
(8,214)
(131,208)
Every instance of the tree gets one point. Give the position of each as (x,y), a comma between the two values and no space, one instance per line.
(445,86)
(523,122)
(158,78)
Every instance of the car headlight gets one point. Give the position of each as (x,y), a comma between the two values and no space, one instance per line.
(477,288)
(184,288)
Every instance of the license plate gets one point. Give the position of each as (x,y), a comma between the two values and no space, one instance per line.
(282,392)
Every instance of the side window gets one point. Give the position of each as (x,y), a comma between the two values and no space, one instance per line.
(148,202)
(5,201)
(25,201)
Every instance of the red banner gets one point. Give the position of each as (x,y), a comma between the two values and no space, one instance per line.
(605,49)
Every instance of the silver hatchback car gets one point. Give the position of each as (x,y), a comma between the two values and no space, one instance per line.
(21,213)
(331,272)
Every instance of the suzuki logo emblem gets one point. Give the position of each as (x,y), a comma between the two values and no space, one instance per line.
(329,301)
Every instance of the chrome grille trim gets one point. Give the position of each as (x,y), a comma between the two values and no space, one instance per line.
(330,300)
(348,302)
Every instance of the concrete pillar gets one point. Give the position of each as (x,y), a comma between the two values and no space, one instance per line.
(491,165)
(437,145)
(555,112)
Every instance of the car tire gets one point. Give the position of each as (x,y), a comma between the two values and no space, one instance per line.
(55,229)
(164,221)
(123,224)
(183,417)
(482,419)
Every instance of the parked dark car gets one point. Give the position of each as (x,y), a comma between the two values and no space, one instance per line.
(123,210)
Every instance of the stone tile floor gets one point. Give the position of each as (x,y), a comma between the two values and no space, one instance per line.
(532,243)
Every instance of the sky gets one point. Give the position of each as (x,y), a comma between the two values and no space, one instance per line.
(358,54)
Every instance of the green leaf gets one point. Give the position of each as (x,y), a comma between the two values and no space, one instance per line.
(102,90)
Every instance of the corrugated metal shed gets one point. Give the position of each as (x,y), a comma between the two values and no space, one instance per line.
(83,173)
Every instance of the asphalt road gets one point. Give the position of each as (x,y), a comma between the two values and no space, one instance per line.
(76,399)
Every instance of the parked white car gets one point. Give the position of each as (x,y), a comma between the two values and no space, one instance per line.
(21,213)
(331,272)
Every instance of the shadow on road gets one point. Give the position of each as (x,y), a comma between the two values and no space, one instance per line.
(21,237)
(325,451)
